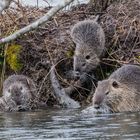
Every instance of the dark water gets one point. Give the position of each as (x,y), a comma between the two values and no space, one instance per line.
(68,125)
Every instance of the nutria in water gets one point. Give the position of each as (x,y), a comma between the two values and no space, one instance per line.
(120,92)
(19,93)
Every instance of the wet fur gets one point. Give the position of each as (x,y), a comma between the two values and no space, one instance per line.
(19,93)
(125,95)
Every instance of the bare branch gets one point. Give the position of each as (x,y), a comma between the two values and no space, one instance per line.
(37,23)
(4,4)
(60,93)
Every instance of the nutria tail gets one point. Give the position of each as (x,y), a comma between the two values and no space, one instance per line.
(89,33)
(60,93)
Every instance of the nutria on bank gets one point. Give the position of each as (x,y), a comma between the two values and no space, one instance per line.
(89,38)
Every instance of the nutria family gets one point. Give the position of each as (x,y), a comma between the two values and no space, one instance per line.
(89,38)
(19,93)
(120,92)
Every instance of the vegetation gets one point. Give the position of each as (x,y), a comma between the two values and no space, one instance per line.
(12,57)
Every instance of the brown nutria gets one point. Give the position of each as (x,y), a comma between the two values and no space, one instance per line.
(120,92)
(19,93)
(62,97)
(89,38)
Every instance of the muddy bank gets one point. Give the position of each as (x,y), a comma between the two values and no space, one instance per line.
(52,44)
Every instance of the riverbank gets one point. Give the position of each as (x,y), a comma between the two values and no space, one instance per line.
(51,43)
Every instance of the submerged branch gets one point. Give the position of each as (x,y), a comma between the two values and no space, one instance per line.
(37,23)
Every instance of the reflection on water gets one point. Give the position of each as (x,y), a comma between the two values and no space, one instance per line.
(68,124)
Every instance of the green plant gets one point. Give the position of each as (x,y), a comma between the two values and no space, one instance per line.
(12,57)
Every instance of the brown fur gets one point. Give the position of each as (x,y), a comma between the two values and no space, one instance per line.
(19,93)
(120,92)
(89,38)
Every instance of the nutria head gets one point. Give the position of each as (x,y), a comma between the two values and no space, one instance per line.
(121,92)
(89,38)
(18,90)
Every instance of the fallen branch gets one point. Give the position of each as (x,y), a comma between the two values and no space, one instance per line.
(37,23)
(62,97)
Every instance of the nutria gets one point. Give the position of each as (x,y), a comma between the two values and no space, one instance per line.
(89,38)
(62,97)
(120,92)
(19,93)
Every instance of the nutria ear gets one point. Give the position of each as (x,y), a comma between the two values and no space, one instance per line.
(21,88)
(115,84)
(87,57)
(9,90)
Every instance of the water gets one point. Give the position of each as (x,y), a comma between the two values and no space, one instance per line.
(57,124)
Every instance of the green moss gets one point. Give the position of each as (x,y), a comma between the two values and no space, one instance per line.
(70,53)
(12,57)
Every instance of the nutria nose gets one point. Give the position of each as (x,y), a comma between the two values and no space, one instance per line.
(77,75)
(96,106)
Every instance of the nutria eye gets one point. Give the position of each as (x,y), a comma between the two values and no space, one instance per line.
(83,64)
(21,88)
(87,57)
(115,84)
(107,93)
